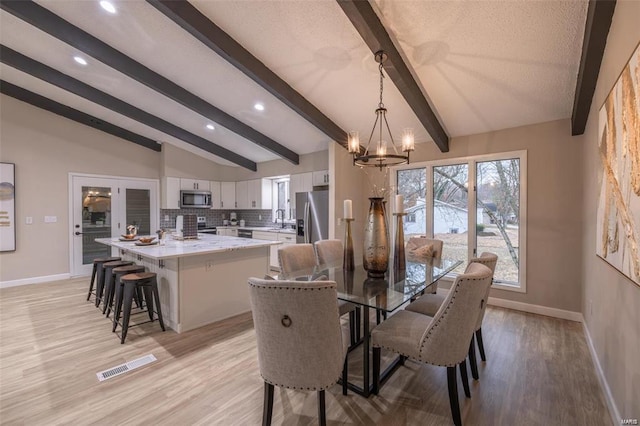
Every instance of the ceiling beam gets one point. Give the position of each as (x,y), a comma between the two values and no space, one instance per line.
(39,70)
(596,29)
(47,104)
(375,35)
(54,25)
(199,26)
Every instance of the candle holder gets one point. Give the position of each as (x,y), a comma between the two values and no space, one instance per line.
(347,260)
(399,263)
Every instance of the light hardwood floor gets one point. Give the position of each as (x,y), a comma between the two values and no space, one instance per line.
(52,343)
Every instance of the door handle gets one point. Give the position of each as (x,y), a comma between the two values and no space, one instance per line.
(78,233)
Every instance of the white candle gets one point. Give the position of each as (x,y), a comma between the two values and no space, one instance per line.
(348,209)
(399,204)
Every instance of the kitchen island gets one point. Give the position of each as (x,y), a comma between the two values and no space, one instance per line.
(200,281)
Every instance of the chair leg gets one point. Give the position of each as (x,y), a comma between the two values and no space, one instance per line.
(156,297)
(108,292)
(358,323)
(322,415)
(465,378)
(93,277)
(472,359)
(376,370)
(117,308)
(267,410)
(480,344)
(378,316)
(126,310)
(99,284)
(453,395)
(345,375)
(148,296)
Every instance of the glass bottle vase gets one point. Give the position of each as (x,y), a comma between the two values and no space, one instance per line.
(376,239)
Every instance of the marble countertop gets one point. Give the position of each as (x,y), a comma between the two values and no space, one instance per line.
(175,248)
(274,229)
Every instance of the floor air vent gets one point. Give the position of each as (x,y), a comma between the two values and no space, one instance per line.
(123,368)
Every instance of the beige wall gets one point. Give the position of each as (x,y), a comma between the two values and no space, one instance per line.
(614,321)
(45,148)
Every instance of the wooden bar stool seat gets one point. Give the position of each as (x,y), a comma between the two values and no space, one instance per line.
(116,274)
(97,271)
(124,298)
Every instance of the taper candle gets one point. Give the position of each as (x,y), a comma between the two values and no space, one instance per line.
(399,204)
(348,209)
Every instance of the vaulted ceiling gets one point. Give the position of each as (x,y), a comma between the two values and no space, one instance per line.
(161,71)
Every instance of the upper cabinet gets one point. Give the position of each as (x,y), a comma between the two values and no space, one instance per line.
(227,195)
(321,178)
(216,198)
(254,194)
(170,193)
(195,184)
(301,182)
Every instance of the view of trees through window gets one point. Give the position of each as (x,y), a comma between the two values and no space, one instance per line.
(446,208)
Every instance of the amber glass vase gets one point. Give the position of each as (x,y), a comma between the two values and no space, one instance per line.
(376,239)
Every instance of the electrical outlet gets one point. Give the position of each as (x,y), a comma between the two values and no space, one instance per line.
(166,218)
(259,217)
(50,219)
(29,220)
(224,216)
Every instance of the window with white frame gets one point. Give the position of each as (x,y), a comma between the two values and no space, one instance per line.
(281,201)
(474,204)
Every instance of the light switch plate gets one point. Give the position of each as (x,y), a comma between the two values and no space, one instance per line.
(29,220)
(50,219)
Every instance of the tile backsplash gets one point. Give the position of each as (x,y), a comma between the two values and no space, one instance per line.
(215,217)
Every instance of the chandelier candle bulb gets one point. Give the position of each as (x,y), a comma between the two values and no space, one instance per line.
(399,204)
(348,209)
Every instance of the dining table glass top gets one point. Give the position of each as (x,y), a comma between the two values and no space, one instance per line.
(387,293)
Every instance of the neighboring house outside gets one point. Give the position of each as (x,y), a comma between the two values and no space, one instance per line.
(448,219)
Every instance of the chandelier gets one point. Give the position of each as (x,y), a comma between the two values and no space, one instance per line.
(381,154)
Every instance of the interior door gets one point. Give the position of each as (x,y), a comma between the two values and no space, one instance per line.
(102,207)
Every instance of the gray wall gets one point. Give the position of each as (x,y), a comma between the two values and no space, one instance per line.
(614,321)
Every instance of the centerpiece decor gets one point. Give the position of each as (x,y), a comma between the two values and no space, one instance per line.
(376,239)
(398,248)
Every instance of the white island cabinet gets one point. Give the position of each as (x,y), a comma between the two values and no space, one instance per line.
(200,281)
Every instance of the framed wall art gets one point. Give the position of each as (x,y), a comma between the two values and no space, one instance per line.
(7,207)
(618,217)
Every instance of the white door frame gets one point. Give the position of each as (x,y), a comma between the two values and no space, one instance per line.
(118,210)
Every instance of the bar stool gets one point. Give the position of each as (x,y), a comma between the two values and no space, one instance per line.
(103,286)
(97,270)
(110,286)
(124,296)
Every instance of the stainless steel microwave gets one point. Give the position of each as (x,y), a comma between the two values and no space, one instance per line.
(195,200)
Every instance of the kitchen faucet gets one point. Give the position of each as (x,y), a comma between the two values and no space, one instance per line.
(282,216)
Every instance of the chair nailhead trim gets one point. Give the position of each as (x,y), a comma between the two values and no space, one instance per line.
(317,388)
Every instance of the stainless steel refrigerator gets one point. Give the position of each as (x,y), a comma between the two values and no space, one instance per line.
(312,216)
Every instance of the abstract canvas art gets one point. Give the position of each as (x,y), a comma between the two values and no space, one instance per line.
(7,207)
(618,220)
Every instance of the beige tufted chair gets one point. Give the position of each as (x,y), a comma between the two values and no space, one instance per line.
(299,338)
(440,340)
(436,247)
(296,257)
(331,252)
(430,303)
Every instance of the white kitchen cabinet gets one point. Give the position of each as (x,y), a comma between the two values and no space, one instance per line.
(216,197)
(242,194)
(300,182)
(254,194)
(228,232)
(321,178)
(273,250)
(170,193)
(227,195)
(195,184)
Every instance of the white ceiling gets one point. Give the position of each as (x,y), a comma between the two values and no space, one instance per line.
(483,65)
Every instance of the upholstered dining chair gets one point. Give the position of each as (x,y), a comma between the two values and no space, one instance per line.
(301,257)
(416,246)
(430,303)
(440,340)
(331,252)
(299,338)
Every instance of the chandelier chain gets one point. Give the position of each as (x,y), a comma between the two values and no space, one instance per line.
(380,104)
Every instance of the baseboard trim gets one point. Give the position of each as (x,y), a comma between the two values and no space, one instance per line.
(536,309)
(34,280)
(611,404)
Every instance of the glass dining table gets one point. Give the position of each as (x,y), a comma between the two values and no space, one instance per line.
(385,295)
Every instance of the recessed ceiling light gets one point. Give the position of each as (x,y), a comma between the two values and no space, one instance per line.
(210,126)
(80,60)
(259,107)
(108,6)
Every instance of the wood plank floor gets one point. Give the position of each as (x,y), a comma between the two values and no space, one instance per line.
(53,342)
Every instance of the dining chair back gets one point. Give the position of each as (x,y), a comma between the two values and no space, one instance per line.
(329,252)
(436,245)
(296,257)
(299,337)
